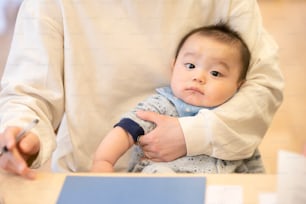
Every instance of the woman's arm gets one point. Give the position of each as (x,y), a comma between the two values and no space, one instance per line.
(32,83)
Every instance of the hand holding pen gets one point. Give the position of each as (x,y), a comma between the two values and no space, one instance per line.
(19,145)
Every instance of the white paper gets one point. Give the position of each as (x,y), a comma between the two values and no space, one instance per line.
(267,198)
(291,186)
(219,194)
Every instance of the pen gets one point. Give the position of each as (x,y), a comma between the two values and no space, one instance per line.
(21,134)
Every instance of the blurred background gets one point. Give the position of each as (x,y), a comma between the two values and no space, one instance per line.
(286,22)
(8,12)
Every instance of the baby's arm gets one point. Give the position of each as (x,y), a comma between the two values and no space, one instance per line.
(112,147)
(126,132)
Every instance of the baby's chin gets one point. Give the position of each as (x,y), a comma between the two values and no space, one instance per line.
(197,102)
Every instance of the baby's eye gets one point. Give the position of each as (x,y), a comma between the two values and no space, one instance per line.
(215,73)
(189,65)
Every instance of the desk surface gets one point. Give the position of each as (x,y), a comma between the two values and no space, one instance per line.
(47,186)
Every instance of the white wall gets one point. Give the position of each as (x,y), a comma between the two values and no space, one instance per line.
(8,12)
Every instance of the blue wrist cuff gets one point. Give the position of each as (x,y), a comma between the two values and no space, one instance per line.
(131,127)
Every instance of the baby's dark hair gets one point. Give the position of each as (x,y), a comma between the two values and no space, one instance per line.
(223,33)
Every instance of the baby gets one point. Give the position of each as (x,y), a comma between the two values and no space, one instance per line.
(210,65)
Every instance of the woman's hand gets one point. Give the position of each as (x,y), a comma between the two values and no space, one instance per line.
(14,159)
(166,142)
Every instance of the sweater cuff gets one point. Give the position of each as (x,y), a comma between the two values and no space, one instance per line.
(197,136)
(133,128)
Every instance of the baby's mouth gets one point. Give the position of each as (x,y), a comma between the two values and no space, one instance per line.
(196,90)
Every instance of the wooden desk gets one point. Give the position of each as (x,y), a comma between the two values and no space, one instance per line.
(46,188)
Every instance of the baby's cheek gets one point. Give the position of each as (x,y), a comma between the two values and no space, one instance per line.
(217,98)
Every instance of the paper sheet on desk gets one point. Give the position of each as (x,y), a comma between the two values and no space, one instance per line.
(291,187)
(224,194)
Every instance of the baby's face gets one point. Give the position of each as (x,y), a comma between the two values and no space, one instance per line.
(206,72)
